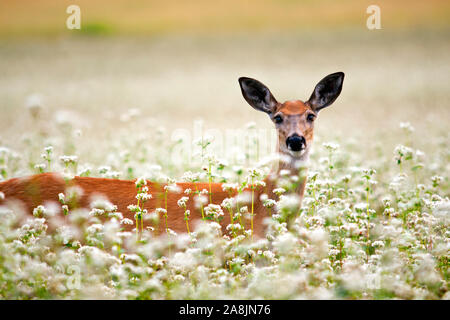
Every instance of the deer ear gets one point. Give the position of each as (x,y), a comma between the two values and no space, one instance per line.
(326,91)
(257,95)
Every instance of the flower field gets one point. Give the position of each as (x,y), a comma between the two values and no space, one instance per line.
(374,222)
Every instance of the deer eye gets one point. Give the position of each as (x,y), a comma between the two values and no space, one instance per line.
(310,117)
(278,119)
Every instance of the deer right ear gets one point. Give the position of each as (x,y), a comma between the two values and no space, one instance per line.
(257,95)
(326,91)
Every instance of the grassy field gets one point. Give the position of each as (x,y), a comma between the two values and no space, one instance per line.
(375,218)
(173,81)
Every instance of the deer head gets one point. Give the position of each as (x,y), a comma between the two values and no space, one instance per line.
(294,119)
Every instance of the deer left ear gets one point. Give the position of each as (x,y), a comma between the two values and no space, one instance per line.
(326,91)
(257,95)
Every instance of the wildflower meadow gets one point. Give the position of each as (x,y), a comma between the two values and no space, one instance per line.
(165,108)
(363,232)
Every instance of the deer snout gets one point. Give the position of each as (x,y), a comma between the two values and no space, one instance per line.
(296,143)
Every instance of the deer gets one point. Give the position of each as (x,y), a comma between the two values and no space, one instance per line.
(294,122)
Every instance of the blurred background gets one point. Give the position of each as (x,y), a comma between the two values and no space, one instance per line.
(169,63)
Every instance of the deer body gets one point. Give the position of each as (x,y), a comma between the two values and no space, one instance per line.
(294,121)
(44,188)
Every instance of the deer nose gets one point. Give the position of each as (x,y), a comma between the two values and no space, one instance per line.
(296,143)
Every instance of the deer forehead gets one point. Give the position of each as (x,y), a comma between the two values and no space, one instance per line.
(293,107)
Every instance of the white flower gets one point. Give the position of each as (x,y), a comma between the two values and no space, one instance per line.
(279,191)
(285,243)
(204,141)
(331,146)
(255,173)
(143,196)
(40,166)
(39,211)
(133,208)
(269,203)
(126,221)
(97,212)
(160,211)
(200,200)
(68,159)
(235,227)
(402,153)
(289,202)
(361,207)
(171,232)
(173,188)
(140,182)
(228,203)
(103,204)
(229,187)
(406,126)
(190,177)
(95,228)
(182,202)
(269,254)
(214,211)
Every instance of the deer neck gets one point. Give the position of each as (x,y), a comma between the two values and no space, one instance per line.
(292,166)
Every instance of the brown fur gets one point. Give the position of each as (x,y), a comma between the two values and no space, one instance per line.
(33,191)
(295,113)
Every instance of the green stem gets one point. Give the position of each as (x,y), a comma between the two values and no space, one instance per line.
(167,225)
(368,221)
(165,214)
(187,224)
(210,182)
(201,205)
(137,228)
